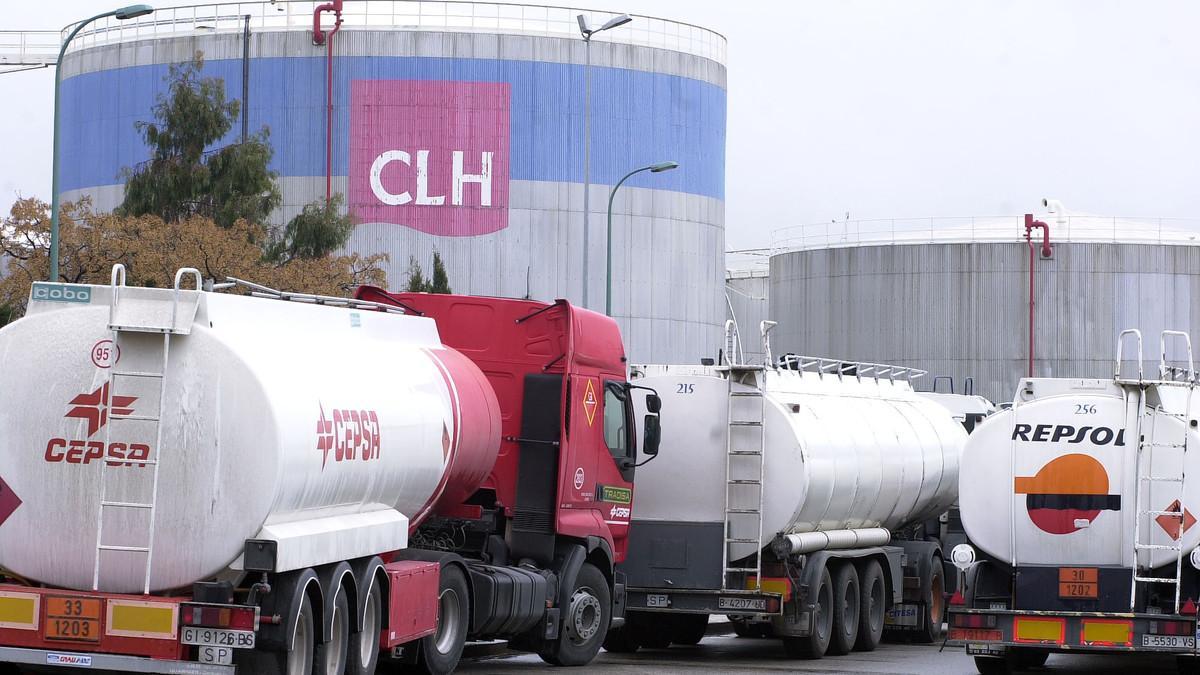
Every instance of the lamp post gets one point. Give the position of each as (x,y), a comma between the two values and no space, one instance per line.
(587,34)
(130,12)
(653,168)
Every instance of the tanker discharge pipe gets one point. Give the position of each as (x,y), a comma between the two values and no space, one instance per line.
(1030,226)
(810,542)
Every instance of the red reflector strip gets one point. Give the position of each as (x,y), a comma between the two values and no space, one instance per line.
(975,635)
(974,620)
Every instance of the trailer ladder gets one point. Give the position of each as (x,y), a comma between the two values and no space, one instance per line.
(1150,445)
(140,321)
(744,472)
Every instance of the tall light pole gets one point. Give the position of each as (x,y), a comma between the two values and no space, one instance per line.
(130,12)
(587,131)
(653,168)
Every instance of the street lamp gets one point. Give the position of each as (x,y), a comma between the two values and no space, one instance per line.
(587,34)
(130,12)
(653,168)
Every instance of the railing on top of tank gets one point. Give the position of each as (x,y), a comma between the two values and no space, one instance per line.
(28,48)
(426,15)
(1075,228)
(860,369)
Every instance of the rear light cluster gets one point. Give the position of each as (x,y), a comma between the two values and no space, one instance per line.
(232,617)
(974,620)
(1171,627)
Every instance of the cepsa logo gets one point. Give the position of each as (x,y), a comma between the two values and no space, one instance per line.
(94,408)
(349,434)
(430,155)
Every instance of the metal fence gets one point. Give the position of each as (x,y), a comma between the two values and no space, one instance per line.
(440,15)
(28,49)
(1093,229)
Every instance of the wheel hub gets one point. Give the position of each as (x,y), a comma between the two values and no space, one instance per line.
(585,615)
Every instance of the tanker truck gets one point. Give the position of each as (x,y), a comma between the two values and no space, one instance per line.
(1077,502)
(196,481)
(798,497)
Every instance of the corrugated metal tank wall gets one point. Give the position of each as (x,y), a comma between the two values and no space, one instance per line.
(962,309)
(746,295)
(519,97)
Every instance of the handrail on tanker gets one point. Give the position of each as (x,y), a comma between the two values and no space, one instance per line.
(1174,371)
(1120,352)
(821,366)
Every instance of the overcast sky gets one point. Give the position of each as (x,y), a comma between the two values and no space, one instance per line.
(881,109)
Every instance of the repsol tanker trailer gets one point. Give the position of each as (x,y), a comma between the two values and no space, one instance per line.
(213,482)
(801,494)
(1078,502)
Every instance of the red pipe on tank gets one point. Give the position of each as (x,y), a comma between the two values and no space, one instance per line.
(320,37)
(1030,224)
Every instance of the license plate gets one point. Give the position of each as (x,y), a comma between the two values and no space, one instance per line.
(1169,641)
(218,655)
(754,604)
(903,615)
(216,637)
(985,649)
(1076,583)
(73,618)
(658,600)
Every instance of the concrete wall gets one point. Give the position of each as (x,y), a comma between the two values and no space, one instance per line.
(648,105)
(962,309)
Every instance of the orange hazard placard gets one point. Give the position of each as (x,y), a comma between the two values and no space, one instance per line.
(590,403)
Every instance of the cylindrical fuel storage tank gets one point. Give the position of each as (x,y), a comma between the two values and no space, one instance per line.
(746,300)
(275,419)
(839,453)
(457,127)
(951,295)
(1054,480)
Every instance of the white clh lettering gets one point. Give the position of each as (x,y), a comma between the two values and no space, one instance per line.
(483,179)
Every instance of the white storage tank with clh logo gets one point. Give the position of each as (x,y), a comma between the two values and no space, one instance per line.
(840,452)
(329,430)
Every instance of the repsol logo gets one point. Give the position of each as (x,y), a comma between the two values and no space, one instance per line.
(1054,433)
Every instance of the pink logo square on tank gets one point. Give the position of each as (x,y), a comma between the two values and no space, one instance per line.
(430,155)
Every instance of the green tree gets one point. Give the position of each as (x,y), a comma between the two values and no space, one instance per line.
(6,314)
(317,231)
(439,282)
(183,178)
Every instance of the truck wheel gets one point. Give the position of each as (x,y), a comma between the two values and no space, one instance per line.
(438,654)
(331,656)
(297,661)
(1029,658)
(993,665)
(585,621)
(935,605)
(816,643)
(1187,665)
(688,629)
(846,604)
(874,602)
(364,645)
(622,640)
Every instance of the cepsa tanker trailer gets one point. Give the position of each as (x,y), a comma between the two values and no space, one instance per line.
(797,493)
(1078,505)
(209,482)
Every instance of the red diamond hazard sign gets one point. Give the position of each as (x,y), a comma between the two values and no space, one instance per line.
(9,501)
(589,402)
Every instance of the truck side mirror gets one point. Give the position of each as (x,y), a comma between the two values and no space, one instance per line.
(652,435)
(653,403)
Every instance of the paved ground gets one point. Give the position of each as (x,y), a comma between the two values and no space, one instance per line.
(727,654)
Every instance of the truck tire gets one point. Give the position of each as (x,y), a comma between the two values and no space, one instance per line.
(934,604)
(816,643)
(364,644)
(297,661)
(622,640)
(331,656)
(993,665)
(846,605)
(438,654)
(1029,658)
(585,621)
(873,593)
(688,629)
